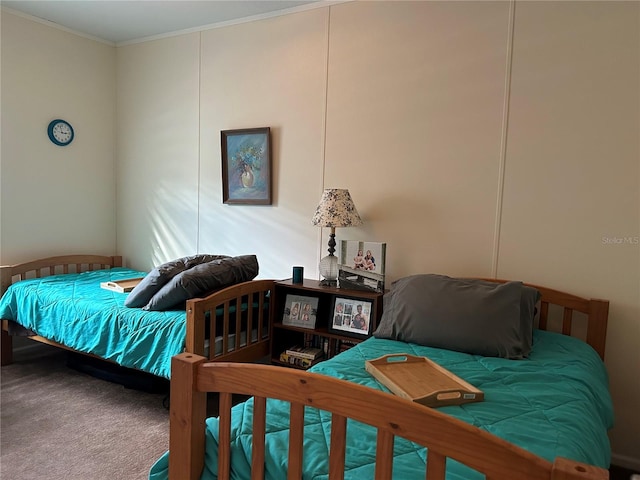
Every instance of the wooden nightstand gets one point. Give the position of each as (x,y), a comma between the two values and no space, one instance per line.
(324,335)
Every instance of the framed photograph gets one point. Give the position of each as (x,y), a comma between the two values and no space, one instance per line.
(361,265)
(300,311)
(246,166)
(351,316)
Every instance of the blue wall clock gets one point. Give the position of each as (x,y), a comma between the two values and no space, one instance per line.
(60,132)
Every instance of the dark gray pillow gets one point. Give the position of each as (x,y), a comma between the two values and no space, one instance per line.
(529,313)
(476,317)
(204,279)
(159,276)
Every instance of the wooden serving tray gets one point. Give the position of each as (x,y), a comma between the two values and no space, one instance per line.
(121,286)
(422,381)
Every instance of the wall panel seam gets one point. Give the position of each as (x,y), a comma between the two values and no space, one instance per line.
(503,141)
(199,169)
(324,121)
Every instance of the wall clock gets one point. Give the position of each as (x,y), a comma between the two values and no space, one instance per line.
(60,132)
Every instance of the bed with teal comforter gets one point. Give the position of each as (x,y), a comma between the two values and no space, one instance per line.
(554,403)
(72,309)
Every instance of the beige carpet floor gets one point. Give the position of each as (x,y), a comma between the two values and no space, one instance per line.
(58,423)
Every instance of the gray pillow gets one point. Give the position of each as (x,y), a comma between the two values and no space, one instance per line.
(529,313)
(204,279)
(472,316)
(159,276)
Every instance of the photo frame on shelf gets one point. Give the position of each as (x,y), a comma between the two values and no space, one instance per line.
(361,265)
(246,166)
(300,311)
(351,316)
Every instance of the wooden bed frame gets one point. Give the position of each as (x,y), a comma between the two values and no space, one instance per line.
(444,436)
(233,349)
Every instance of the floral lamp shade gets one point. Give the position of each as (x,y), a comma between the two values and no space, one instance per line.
(336,209)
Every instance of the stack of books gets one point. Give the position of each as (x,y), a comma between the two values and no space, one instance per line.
(302,356)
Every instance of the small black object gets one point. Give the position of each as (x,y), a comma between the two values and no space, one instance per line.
(298,274)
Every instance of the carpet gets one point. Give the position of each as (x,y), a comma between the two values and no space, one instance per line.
(59,423)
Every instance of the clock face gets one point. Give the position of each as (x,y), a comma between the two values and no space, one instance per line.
(60,132)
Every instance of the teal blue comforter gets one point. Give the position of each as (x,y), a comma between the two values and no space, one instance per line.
(73,310)
(555,403)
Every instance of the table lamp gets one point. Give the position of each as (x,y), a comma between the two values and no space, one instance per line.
(336,209)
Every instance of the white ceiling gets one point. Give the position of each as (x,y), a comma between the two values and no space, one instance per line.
(123,21)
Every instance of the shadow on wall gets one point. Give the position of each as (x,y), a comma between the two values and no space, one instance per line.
(172,220)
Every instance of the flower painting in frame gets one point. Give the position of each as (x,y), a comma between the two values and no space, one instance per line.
(246,166)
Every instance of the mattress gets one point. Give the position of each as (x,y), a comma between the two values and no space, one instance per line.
(554,403)
(73,310)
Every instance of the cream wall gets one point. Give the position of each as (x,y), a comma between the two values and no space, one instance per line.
(269,73)
(471,144)
(414,128)
(475,138)
(158,156)
(574,134)
(456,180)
(55,199)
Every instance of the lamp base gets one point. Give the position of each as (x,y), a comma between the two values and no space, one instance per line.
(329,270)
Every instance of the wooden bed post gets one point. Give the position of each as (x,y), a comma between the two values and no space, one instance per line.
(597,327)
(564,469)
(196,328)
(187,416)
(6,345)
(6,342)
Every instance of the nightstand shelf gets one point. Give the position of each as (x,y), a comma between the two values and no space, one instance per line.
(331,341)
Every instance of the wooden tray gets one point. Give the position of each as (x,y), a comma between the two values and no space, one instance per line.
(422,381)
(121,286)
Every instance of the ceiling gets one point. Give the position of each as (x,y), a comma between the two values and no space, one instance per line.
(122,21)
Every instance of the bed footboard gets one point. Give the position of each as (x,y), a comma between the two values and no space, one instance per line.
(233,324)
(43,268)
(443,435)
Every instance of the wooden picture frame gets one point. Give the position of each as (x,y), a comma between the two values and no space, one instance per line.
(246,166)
(300,311)
(351,316)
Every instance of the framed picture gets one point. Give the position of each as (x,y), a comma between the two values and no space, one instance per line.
(300,311)
(246,166)
(351,316)
(361,265)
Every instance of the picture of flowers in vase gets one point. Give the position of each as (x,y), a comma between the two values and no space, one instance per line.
(246,166)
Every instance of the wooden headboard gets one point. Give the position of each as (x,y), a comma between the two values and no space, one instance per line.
(54,265)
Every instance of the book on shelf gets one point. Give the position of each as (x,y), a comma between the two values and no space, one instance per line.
(310,353)
(310,340)
(343,345)
(298,361)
